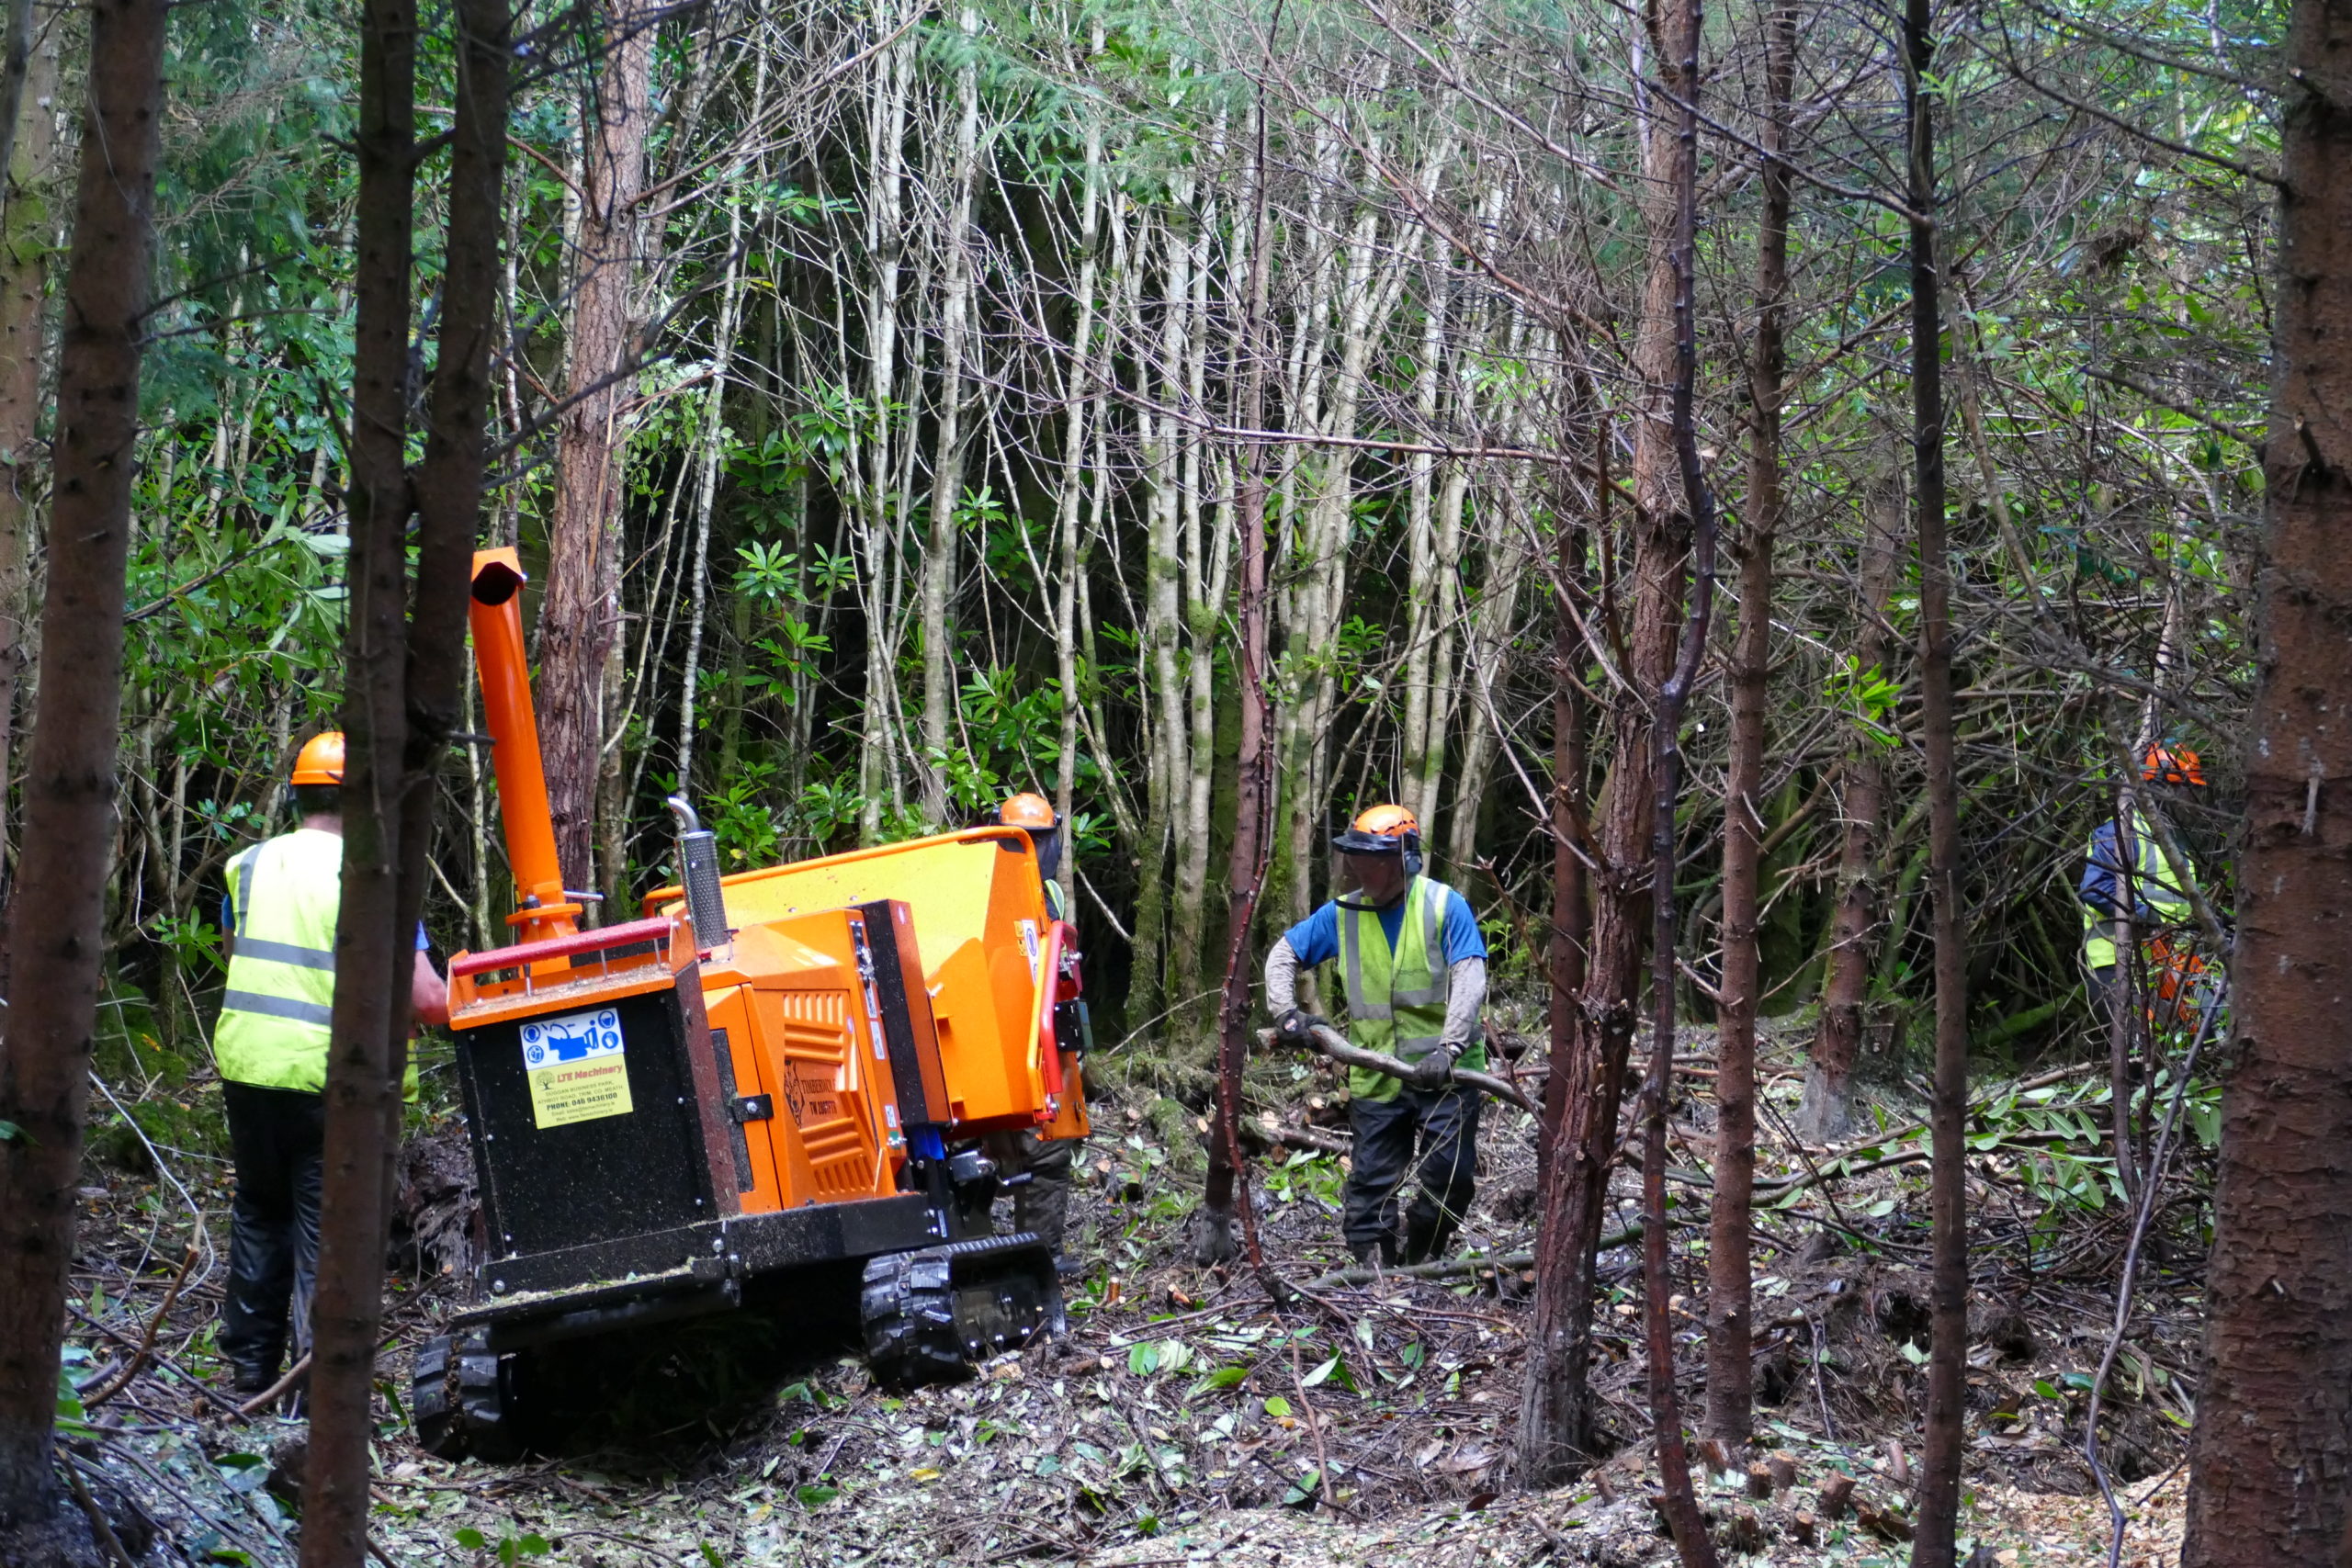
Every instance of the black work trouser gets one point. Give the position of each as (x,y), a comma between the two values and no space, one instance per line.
(277,1137)
(1041,1203)
(1443,1123)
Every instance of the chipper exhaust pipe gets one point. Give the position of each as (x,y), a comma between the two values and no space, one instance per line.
(699,874)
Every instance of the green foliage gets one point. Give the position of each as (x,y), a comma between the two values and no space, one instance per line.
(1867,696)
(506,1550)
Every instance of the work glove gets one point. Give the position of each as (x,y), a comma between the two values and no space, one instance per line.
(1431,1071)
(1293,1025)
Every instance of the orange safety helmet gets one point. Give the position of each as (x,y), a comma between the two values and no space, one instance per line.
(2165,763)
(1381,830)
(321,760)
(1027,810)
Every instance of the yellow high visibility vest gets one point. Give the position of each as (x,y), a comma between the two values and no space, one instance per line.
(1397,999)
(272,1029)
(2151,879)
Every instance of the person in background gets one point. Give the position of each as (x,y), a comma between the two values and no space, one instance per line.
(1041,1203)
(1414,966)
(1035,815)
(271,1046)
(2125,853)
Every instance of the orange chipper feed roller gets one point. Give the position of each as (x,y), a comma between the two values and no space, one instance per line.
(764,1076)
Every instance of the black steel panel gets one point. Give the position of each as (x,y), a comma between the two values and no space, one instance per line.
(688,1252)
(824,1233)
(911,1036)
(725,1053)
(603,1316)
(546,1188)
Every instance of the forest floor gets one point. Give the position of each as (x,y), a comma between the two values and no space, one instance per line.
(1186,1418)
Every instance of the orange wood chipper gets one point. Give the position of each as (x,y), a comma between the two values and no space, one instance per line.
(767,1074)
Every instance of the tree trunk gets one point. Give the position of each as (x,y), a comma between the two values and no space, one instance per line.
(1827,1106)
(1208,563)
(28,233)
(2270,1463)
(1428,589)
(873,453)
(1730,1330)
(939,706)
(405,689)
(1946,1441)
(1320,600)
(1492,629)
(1164,722)
(1556,1416)
(581,613)
(1682,1515)
(712,455)
(1565,952)
(1082,404)
(1224,1198)
(70,782)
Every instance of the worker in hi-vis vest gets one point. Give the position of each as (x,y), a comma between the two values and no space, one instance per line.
(2128,886)
(271,1046)
(1414,968)
(1042,1204)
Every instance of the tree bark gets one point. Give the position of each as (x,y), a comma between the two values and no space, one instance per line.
(27,237)
(1428,584)
(1208,566)
(1571,838)
(1557,1420)
(1682,1515)
(2270,1462)
(711,455)
(1730,1328)
(1826,1107)
(1946,1441)
(872,455)
(938,587)
(1168,733)
(581,615)
(403,694)
(1224,1198)
(362,1073)
(1082,404)
(70,782)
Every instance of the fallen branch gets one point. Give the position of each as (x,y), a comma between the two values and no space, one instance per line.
(1314,1430)
(1334,1044)
(163,1359)
(1312,1138)
(130,1368)
(277,1390)
(1463,1265)
(100,1526)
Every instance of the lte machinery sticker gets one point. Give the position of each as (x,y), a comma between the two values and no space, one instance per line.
(577,1068)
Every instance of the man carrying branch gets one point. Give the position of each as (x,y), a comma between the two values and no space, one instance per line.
(1414,965)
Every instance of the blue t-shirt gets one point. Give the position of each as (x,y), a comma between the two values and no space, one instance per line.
(1316,938)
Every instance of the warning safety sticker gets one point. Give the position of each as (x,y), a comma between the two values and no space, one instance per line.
(577,1067)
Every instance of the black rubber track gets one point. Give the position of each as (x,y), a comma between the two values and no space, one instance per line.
(462,1399)
(430,1411)
(908,1307)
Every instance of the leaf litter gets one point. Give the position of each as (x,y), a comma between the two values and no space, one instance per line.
(1187,1418)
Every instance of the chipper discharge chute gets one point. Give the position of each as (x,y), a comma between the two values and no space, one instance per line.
(769,1074)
